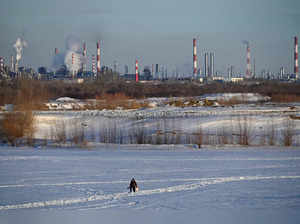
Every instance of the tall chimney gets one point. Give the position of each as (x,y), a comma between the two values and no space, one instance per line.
(211,64)
(12,63)
(56,51)
(73,70)
(98,57)
(17,66)
(296,67)
(93,65)
(195,57)
(152,71)
(248,70)
(84,57)
(1,64)
(206,65)
(136,71)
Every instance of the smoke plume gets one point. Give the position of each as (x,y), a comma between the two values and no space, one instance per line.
(246,43)
(72,58)
(19,45)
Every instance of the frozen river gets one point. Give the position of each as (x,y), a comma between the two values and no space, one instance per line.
(175,186)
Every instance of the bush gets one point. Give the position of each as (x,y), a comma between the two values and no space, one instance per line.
(16,125)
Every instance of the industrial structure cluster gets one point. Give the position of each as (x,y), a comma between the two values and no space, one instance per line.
(72,65)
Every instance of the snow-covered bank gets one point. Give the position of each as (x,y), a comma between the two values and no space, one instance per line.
(169,112)
(173,125)
(67,103)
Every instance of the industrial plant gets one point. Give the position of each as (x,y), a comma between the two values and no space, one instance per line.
(73,65)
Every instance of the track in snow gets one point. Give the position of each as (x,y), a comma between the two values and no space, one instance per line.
(116,197)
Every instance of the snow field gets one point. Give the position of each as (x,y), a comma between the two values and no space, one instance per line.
(97,179)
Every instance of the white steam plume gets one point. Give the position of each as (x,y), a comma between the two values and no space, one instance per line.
(246,43)
(73,47)
(19,45)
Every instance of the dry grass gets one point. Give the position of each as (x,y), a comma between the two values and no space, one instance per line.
(16,125)
(230,102)
(294,117)
(285,98)
(115,101)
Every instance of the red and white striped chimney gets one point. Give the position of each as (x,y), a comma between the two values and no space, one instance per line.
(248,71)
(195,57)
(296,66)
(56,51)
(98,57)
(136,71)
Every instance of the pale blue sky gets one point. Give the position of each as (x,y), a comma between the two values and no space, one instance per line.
(155,31)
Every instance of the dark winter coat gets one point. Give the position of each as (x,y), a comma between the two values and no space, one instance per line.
(132,185)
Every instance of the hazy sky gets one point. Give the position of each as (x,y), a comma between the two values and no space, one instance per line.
(155,31)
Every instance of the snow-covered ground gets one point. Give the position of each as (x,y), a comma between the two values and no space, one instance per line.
(236,185)
(67,103)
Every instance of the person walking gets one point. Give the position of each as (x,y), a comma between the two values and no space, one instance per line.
(133,185)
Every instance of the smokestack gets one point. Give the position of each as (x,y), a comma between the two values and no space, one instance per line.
(254,68)
(206,65)
(17,66)
(93,64)
(56,51)
(152,71)
(98,57)
(84,50)
(248,70)
(296,67)
(84,57)
(282,72)
(1,64)
(12,63)
(115,66)
(136,71)
(73,70)
(231,71)
(194,57)
(211,64)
